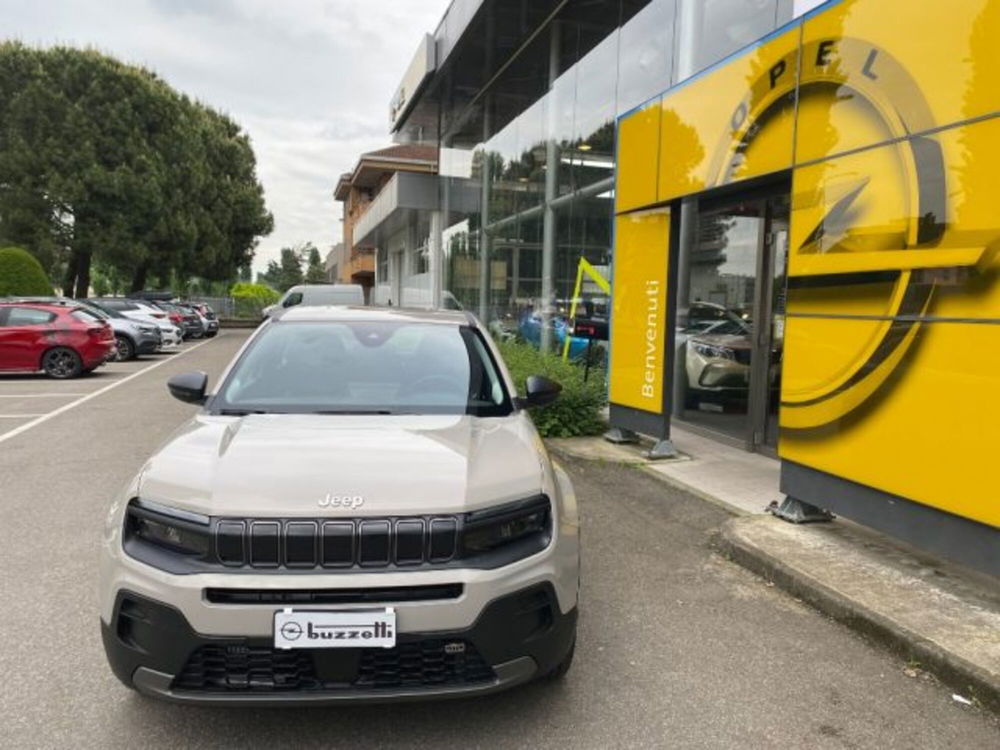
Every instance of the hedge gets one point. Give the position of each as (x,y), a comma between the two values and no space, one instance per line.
(21,274)
(249,299)
(577,411)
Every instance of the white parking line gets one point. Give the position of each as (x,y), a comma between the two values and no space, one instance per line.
(40,395)
(66,407)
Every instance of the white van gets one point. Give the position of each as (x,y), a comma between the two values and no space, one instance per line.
(311,295)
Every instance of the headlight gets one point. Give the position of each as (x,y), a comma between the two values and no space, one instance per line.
(177,530)
(513,531)
(148,329)
(713,352)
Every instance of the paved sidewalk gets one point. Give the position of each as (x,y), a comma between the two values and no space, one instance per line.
(938,616)
(941,617)
(741,482)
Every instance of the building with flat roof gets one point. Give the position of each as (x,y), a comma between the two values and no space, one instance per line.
(794,201)
(384,224)
(333,262)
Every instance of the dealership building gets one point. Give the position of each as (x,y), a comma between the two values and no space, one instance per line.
(795,204)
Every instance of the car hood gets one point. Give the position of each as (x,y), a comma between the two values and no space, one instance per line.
(730,341)
(284,465)
(122,325)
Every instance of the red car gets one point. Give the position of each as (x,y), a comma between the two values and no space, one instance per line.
(62,340)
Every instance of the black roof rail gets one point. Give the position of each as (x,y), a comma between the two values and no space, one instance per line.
(151,296)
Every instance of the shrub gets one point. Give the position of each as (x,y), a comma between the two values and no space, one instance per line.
(21,274)
(577,411)
(249,299)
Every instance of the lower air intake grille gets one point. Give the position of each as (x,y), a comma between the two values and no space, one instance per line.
(242,668)
(422,663)
(247,669)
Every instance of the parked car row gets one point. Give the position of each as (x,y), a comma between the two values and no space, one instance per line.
(65,337)
(193,320)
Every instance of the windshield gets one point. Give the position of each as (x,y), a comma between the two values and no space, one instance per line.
(365,367)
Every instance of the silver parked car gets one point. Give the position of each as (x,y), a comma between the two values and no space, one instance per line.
(170,335)
(361,510)
(132,337)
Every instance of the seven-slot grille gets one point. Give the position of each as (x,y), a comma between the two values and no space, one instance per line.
(342,543)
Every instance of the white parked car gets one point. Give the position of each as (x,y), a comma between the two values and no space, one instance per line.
(318,294)
(361,510)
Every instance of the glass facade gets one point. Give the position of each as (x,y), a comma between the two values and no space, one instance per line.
(527,137)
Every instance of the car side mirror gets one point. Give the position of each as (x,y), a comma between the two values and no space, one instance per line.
(189,387)
(539,391)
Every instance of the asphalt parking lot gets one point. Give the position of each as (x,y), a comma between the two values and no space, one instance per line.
(27,400)
(677,647)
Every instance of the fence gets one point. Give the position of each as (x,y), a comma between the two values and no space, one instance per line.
(225,307)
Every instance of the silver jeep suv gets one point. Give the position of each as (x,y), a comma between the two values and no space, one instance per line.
(362,510)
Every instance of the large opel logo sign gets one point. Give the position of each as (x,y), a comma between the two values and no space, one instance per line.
(903,261)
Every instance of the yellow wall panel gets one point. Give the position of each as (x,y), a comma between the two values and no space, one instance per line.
(930,436)
(924,205)
(972,160)
(638,150)
(712,130)
(639,310)
(874,70)
(892,340)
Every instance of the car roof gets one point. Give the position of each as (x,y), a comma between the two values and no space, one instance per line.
(334,313)
(50,306)
(337,287)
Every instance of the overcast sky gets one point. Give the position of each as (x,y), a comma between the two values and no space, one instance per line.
(310,80)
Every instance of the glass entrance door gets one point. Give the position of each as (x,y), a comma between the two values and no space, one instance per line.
(731,320)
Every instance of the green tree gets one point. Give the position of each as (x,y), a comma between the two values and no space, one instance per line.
(271,276)
(315,270)
(103,162)
(21,274)
(100,284)
(290,269)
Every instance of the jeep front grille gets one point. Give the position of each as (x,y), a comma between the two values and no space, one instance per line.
(348,543)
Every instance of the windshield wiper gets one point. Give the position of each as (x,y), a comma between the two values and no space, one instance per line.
(240,412)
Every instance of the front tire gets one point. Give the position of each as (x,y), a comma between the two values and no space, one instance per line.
(62,363)
(124,349)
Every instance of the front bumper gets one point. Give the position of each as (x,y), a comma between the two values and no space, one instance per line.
(170,338)
(152,647)
(147,343)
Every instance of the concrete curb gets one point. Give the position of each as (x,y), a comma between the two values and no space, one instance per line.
(963,676)
(238,323)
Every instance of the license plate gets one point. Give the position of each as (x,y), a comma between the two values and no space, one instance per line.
(370,628)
